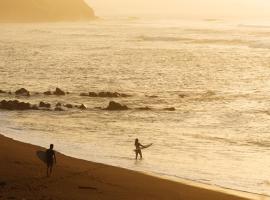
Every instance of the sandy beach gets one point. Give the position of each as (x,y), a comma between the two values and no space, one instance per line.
(22,176)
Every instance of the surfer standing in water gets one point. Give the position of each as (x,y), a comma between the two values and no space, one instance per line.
(138,150)
(51,159)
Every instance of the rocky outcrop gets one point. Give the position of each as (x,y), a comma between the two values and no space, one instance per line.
(82,107)
(59,109)
(116,106)
(105,94)
(44,105)
(59,92)
(2,92)
(22,92)
(68,106)
(15,105)
(45,10)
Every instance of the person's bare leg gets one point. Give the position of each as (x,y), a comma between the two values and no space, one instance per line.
(48,171)
(140,155)
(136,155)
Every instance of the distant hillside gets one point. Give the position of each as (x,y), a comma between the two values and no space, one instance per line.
(44,10)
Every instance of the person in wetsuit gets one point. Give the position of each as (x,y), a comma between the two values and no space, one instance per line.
(51,160)
(138,147)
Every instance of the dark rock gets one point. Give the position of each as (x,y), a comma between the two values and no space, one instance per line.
(15,105)
(82,107)
(116,106)
(34,107)
(125,95)
(144,108)
(58,104)
(59,92)
(170,109)
(68,106)
(47,93)
(22,92)
(58,109)
(44,105)
(24,106)
(2,92)
(182,95)
(102,94)
(84,94)
(92,94)
(9,92)
(108,94)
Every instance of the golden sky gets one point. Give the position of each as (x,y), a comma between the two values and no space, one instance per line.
(200,8)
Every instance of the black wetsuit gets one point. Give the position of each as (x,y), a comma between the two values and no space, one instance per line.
(50,156)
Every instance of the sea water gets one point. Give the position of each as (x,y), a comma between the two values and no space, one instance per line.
(214,72)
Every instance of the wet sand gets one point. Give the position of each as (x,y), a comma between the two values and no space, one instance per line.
(23,177)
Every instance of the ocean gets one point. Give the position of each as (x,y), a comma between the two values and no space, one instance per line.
(215,73)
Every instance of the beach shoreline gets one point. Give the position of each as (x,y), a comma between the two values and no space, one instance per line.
(23,176)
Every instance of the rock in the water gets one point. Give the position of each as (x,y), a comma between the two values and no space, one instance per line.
(34,107)
(108,94)
(68,106)
(59,92)
(58,109)
(170,109)
(15,105)
(93,94)
(47,93)
(84,94)
(182,95)
(144,108)
(22,92)
(44,105)
(82,107)
(58,104)
(2,92)
(116,106)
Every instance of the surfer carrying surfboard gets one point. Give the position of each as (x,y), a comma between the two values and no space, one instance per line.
(139,147)
(51,159)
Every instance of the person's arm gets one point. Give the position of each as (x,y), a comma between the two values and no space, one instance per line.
(141,145)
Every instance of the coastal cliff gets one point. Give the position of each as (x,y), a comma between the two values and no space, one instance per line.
(45,11)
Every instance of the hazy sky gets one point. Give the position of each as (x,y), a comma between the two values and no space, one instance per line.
(200,8)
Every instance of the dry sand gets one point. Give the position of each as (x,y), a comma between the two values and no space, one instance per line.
(22,176)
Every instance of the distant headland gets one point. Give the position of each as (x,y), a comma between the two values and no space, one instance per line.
(45,11)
